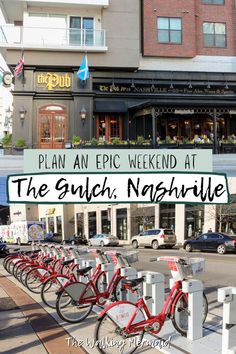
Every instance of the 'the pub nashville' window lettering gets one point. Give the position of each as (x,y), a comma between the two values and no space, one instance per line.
(53,81)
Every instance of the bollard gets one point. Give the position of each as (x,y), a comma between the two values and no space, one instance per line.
(227,296)
(194,289)
(153,290)
(129,273)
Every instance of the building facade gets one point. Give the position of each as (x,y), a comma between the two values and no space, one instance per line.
(160,70)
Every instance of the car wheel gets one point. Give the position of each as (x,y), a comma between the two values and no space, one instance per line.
(221,249)
(135,244)
(155,245)
(102,244)
(188,247)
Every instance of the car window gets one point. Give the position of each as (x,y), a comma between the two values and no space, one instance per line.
(202,237)
(214,237)
(153,232)
(168,232)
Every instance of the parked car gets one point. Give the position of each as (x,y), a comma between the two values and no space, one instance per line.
(77,240)
(3,249)
(212,241)
(103,240)
(155,238)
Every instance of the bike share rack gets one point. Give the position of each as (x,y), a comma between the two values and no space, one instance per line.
(227,296)
(154,295)
(153,290)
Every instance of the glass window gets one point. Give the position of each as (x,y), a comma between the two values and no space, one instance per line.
(92,223)
(194,220)
(214,34)
(213,2)
(80,224)
(169,30)
(106,222)
(167,216)
(59,227)
(51,226)
(226,216)
(121,222)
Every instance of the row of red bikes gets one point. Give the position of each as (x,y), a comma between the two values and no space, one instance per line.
(60,275)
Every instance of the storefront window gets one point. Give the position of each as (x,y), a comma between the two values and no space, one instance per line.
(80,224)
(226,216)
(59,226)
(121,222)
(92,223)
(109,127)
(194,220)
(167,216)
(106,222)
(43,220)
(51,225)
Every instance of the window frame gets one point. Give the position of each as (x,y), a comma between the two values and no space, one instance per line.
(169,30)
(211,2)
(214,35)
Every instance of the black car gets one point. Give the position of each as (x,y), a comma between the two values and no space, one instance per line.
(77,240)
(212,241)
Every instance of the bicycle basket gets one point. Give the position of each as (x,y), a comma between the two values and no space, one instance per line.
(131,257)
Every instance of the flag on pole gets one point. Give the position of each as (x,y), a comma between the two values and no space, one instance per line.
(83,72)
(19,69)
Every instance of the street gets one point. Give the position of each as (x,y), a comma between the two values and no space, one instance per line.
(222,163)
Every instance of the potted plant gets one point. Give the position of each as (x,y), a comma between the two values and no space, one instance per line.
(76,140)
(20,145)
(7,144)
(228,145)
(169,143)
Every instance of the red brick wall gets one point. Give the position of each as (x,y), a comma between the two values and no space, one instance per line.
(193,14)
(215,13)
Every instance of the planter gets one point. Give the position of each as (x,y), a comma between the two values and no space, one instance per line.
(228,148)
(187,146)
(204,146)
(18,150)
(168,146)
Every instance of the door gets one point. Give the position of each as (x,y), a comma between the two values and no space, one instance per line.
(52,128)
(199,243)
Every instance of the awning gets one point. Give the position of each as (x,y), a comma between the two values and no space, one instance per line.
(110,106)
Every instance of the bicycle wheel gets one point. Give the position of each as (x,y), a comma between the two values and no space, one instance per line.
(67,305)
(34,279)
(19,270)
(49,289)
(24,273)
(107,331)
(180,316)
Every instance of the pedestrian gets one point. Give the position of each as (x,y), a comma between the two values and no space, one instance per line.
(210,230)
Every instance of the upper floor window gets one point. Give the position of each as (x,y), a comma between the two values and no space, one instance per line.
(169,30)
(213,2)
(214,34)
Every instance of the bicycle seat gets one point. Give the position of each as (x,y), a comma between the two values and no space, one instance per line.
(67,262)
(46,261)
(132,282)
(83,271)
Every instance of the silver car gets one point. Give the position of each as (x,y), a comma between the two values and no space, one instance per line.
(103,240)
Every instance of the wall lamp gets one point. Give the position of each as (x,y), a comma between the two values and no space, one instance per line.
(83,113)
(22,113)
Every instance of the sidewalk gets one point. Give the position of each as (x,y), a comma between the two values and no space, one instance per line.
(210,343)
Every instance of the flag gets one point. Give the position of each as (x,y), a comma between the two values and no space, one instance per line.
(19,69)
(83,72)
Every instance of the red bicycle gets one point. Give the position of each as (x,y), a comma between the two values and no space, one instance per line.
(126,323)
(83,296)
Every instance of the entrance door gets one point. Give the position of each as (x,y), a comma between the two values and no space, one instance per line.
(52,128)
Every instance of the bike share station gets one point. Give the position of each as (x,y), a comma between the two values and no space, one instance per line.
(151,287)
